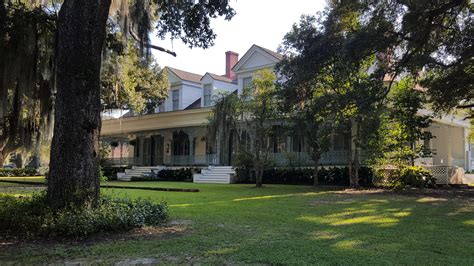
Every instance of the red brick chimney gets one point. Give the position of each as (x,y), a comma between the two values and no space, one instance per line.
(231,59)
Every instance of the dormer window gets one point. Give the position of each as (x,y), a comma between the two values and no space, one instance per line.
(207,94)
(175,95)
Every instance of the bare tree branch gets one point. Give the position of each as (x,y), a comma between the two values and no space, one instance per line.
(159,48)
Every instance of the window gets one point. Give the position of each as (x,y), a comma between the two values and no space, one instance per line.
(207,94)
(246,82)
(341,142)
(297,143)
(279,139)
(175,98)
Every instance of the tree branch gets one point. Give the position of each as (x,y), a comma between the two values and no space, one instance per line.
(465,106)
(159,48)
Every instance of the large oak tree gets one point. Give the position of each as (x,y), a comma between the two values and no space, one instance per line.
(79,31)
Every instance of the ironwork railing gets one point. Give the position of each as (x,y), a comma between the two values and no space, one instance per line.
(124,161)
(304,159)
(204,159)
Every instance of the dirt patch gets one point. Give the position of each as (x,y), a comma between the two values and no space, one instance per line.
(171,229)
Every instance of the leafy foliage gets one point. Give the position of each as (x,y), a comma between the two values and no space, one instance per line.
(256,110)
(111,214)
(332,74)
(18,172)
(404,127)
(181,174)
(305,176)
(409,176)
(130,82)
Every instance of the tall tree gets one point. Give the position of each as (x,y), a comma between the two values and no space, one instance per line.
(404,127)
(26,37)
(74,166)
(249,118)
(258,112)
(330,57)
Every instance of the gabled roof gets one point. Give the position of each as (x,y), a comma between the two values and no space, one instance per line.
(218,77)
(271,55)
(184,75)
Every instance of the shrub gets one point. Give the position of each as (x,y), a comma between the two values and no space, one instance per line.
(31,216)
(102,176)
(111,172)
(181,174)
(412,176)
(18,172)
(304,176)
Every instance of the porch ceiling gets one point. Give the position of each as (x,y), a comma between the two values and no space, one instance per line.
(183,118)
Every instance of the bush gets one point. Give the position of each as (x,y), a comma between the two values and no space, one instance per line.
(304,176)
(111,172)
(412,176)
(102,177)
(18,172)
(181,174)
(31,216)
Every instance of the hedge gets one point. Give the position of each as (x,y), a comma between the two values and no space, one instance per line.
(181,174)
(18,172)
(304,176)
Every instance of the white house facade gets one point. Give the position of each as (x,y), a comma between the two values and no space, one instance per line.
(176,135)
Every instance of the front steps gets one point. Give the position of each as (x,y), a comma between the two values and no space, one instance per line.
(211,174)
(215,174)
(139,171)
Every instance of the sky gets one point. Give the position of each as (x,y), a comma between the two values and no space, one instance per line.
(261,22)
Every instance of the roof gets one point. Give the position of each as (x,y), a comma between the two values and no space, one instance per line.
(184,75)
(196,104)
(220,78)
(273,53)
(276,56)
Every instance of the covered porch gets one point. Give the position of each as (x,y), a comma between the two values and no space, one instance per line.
(170,139)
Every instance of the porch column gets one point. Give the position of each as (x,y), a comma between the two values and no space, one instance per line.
(191,134)
(450,152)
(467,151)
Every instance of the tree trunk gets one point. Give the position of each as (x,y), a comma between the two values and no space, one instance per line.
(74,168)
(316,159)
(2,159)
(258,176)
(354,169)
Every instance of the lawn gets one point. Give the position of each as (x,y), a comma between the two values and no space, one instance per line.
(281,224)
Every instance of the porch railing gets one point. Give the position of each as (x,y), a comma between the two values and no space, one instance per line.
(204,159)
(124,161)
(304,159)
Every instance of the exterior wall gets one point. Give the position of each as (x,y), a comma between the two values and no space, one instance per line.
(248,74)
(169,101)
(189,93)
(448,145)
(218,88)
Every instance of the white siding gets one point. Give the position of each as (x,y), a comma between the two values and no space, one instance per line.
(218,88)
(169,101)
(189,94)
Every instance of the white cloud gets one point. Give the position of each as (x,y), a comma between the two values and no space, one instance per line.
(262,22)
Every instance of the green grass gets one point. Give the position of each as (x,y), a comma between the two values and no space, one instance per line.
(240,224)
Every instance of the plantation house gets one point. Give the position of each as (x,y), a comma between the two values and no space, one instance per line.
(176,135)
